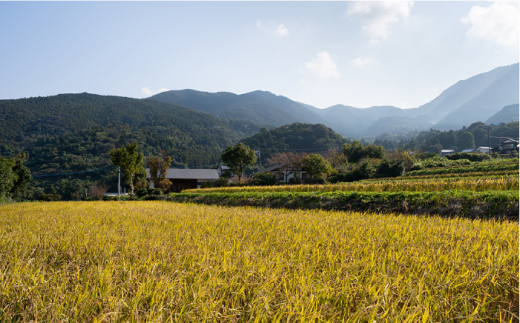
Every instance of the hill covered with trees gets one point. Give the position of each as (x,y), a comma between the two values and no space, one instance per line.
(300,137)
(476,135)
(26,121)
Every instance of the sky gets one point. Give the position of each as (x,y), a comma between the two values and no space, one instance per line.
(358,54)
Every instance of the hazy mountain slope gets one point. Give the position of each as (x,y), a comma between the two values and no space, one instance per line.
(287,105)
(396,125)
(460,93)
(501,92)
(229,106)
(506,115)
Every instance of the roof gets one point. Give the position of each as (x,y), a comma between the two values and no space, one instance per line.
(276,168)
(447,150)
(510,140)
(467,150)
(484,148)
(173,173)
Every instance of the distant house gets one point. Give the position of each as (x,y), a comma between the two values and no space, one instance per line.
(446,152)
(221,169)
(183,179)
(484,150)
(284,174)
(468,150)
(508,146)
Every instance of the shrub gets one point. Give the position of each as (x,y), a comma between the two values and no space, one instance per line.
(263,179)
(316,180)
(474,157)
(221,182)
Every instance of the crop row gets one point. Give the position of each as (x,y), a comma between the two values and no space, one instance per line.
(166,262)
(495,174)
(488,204)
(468,169)
(479,185)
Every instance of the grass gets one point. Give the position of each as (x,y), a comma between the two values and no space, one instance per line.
(160,261)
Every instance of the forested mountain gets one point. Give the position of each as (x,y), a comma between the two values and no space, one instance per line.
(260,107)
(296,137)
(25,121)
(507,114)
(468,101)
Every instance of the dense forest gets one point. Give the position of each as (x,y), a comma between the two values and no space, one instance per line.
(476,135)
(24,122)
(295,137)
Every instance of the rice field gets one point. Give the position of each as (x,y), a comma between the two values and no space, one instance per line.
(432,185)
(162,261)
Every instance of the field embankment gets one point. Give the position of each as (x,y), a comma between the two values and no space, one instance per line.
(489,204)
(157,261)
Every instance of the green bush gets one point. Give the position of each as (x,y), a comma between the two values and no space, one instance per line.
(264,179)
(221,182)
(474,157)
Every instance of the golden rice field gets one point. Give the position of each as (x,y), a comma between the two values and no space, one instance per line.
(162,261)
(506,183)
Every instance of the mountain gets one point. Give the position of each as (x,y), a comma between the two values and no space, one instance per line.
(502,90)
(467,101)
(506,115)
(296,137)
(261,107)
(25,122)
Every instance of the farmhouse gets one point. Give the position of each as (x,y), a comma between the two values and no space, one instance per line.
(446,152)
(284,174)
(508,146)
(183,179)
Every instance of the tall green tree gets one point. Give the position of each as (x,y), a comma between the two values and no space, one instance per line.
(315,165)
(7,177)
(23,175)
(130,161)
(357,151)
(238,157)
(158,168)
(466,140)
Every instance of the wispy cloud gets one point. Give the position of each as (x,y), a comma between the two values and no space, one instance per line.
(379,16)
(322,66)
(364,63)
(273,28)
(150,92)
(499,22)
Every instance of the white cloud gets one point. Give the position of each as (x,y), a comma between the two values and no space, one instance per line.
(378,16)
(150,92)
(364,63)
(282,31)
(322,66)
(498,22)
(272,28)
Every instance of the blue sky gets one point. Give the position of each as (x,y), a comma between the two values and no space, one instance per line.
(320,53)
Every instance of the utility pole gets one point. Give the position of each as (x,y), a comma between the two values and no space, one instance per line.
(489,145)
(118,181)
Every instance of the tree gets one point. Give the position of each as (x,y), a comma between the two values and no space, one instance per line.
(357,151)
(7,177)
(316,165)
(23,177)
(466,140)
(130,161)
(238,157)
(158,168)
(288,162)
